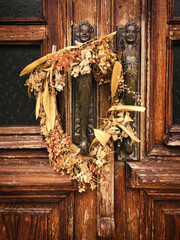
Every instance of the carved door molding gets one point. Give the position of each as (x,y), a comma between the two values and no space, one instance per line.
(141,198)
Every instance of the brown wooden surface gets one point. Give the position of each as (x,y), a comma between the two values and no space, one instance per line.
(142,198)
(146,217)
(22,180)
(154,174)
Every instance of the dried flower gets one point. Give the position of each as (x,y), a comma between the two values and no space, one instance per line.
(48,77)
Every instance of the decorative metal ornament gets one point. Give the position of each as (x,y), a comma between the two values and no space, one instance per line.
(82,33)
(83,101)
(127,42)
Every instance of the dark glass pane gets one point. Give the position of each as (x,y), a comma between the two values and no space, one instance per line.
(20,8)
(177,8)
(15,106)
(176,84)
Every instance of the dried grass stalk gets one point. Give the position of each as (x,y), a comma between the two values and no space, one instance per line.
(38,105)
(121,107)
(115,78)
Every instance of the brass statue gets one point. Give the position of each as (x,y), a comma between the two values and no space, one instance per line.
(84,32)
(128,44)
(130,60)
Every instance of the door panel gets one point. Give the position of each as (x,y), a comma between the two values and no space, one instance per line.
(141,197)
(157,175)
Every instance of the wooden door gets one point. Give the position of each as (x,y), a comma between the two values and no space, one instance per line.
(141,197)
(35,201)
(154,181)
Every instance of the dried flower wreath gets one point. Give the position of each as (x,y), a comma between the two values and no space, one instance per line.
(48,75)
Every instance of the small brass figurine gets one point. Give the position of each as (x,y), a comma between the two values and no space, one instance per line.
(128,44)
(130,60)
(84,32)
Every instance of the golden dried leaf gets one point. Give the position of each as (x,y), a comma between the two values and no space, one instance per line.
(102,137)
(130,133)
(47,69)
(69,48)
(115,78)
(48,124)
(29,68)
(38,105)
(50,70)
(119,55)
(51,117)
(46,100)
(121,107)
(29,90)
(108,35)
(53,110)
(127,118)
(51,74)
(92,143)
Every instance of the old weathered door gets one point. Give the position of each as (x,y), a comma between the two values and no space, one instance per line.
(141,197)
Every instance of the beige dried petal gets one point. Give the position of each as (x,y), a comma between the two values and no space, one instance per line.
(88,55)
(84,63)
(83,53)
(129,132)
(120,119)
(103,137)
(75,71)
(114,137)
(85,70)
(124,134)
(127,118)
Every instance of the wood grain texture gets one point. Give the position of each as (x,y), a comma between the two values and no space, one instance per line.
(22,179)
(22,33)
(20,130)
(61,219)
(85,203)
(164,194)
(68,88)
(159,67)
(143,76)
(120,201)
(21,141)
(162,152)
(85,215)
(172,219)
(36,220)
(149,134)
(38,203)
(172,140)
(154,175)
(159,219)
(127,11)
(85,10)
(146,216)
(105,204)
(132,213)
(159,77)
(23,222)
